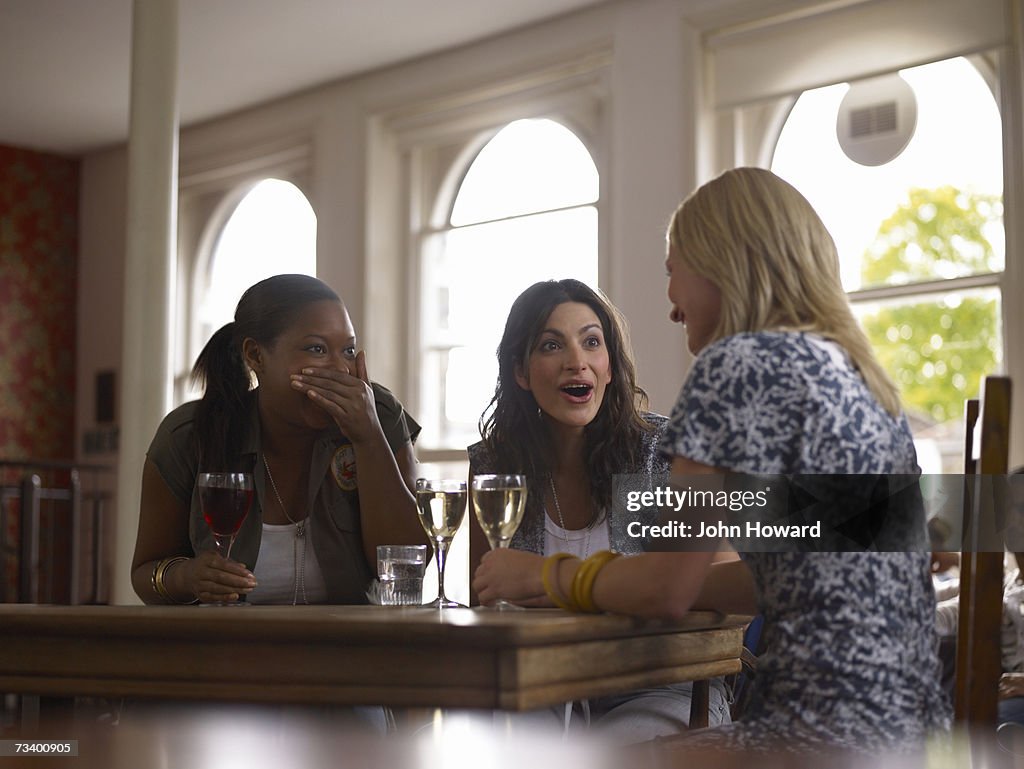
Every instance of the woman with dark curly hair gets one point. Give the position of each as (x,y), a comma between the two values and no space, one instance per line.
(567,412)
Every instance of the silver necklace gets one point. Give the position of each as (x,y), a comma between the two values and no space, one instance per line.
(299,577)
(561,521)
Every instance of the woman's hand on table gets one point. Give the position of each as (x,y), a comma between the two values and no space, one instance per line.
(212,578)
(514,575)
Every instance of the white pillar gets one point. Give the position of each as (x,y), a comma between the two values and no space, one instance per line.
(149,260)
(1011,97)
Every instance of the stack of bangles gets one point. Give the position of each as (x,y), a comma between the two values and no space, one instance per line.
(156,579)
(581,594)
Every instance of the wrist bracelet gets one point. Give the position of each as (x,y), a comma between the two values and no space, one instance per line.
(157,578)
(578,589)
(552,588)
(586,576)
(153,583)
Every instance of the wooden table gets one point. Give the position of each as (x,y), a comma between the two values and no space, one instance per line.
(352,655)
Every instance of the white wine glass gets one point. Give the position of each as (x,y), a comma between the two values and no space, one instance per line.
(441,506)
(499,502)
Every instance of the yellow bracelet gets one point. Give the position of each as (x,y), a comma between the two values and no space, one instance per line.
(586,576)
(551,565)
(579,582)
(585,597)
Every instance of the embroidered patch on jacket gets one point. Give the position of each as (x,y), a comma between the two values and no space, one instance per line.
(343,466)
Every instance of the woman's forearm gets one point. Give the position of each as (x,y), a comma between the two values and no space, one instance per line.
(651,585)
(387,508)
(170,578)
(729,587)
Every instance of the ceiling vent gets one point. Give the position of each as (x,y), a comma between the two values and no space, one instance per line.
(876,119)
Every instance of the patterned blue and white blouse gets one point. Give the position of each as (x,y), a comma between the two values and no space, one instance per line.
(851,648)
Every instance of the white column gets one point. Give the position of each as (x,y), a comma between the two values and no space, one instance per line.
(653,164)
(149,260)
(1011,90)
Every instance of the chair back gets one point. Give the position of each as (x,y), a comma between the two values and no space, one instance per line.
(986,462)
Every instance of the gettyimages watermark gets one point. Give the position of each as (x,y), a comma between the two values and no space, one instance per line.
(822,513)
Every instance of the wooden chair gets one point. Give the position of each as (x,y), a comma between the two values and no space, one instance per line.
(742,683)
(979,657)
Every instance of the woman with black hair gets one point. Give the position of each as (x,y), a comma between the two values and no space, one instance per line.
(287,399)
(567,412)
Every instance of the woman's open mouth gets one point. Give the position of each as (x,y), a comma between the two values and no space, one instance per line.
(578,392)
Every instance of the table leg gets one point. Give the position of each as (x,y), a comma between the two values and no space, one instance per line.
(700,704)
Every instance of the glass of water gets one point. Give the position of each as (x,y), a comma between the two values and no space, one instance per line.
(400,571)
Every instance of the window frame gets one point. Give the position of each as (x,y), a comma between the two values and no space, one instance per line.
(422,154)
(210,189)
(929,290)
(743,131)
(438,225)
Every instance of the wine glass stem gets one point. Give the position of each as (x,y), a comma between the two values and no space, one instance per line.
(223,543)
(441,551)
(501,604)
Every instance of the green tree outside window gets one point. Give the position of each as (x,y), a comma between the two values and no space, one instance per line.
(937,350)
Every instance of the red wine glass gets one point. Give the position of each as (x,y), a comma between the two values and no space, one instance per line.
(225,499)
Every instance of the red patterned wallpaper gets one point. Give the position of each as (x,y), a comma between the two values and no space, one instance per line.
(38,287)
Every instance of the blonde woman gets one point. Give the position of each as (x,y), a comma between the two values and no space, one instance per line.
(784,383)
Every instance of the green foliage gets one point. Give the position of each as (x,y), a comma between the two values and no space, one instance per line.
(937,350)
(936,234)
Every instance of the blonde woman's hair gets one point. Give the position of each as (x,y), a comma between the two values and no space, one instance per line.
(762,244)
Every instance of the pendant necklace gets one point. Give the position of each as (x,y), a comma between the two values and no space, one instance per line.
(561,522)
(299,578)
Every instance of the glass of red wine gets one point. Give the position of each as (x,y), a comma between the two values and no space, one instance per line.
(225,499)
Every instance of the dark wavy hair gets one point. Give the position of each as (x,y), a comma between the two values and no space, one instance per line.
(265,310)
(512,430)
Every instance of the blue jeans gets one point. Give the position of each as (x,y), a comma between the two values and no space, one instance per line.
(1011,710)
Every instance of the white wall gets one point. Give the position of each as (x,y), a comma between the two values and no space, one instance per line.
(658,146)
(100,283)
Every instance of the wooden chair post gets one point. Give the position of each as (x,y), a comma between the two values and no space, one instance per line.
(979,655)
(966,566)
(28,558)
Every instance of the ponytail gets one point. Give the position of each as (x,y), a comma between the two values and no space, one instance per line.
(221,418)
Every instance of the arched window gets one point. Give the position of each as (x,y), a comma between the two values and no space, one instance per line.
(525,211)
(271,230)
(919,229)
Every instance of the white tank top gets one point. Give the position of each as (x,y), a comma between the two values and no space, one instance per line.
(578,542)
(275,570)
